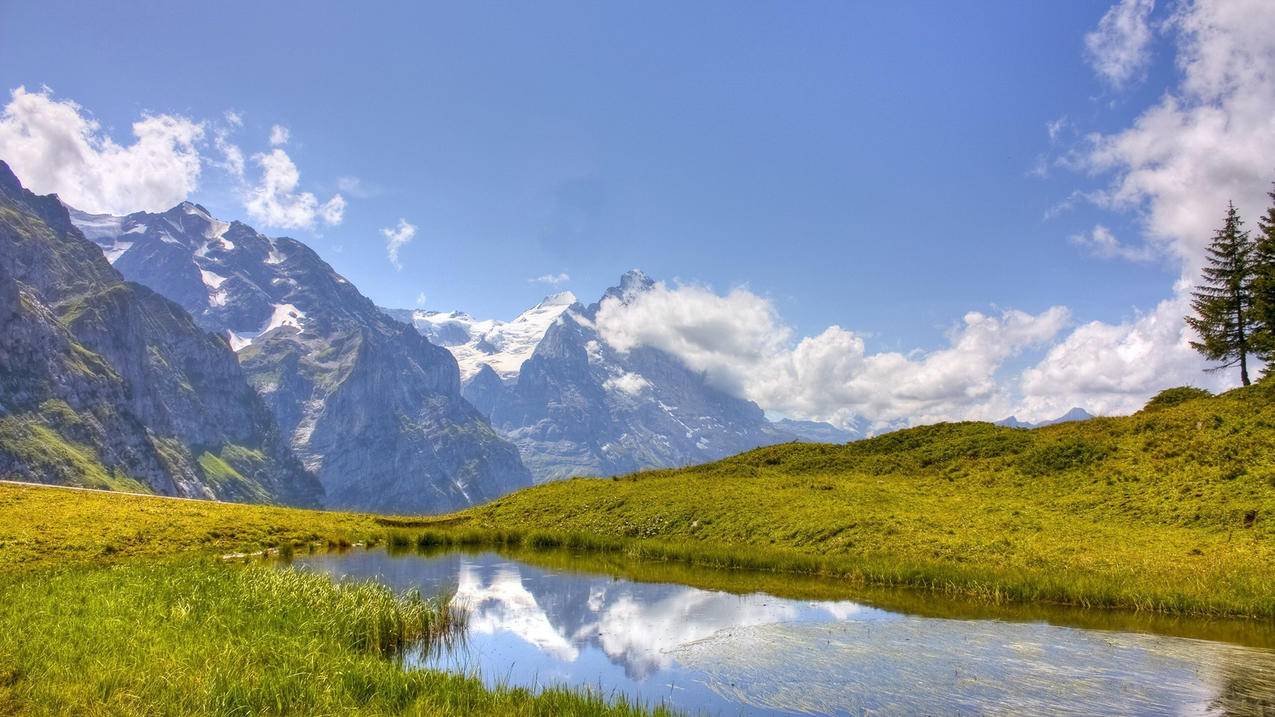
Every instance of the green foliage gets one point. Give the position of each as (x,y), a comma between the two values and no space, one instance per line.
(1264,284)
(1223,303)
(198,637)
(52,458)
(223,473)
(1167,510)
(1173,396)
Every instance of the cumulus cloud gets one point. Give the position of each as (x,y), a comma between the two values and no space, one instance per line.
(279,135)
(1208,140)
(1114,368)
(1119,49)
(274,201)
(55,146)
(1100,242)
(551,279)
(742,346)
(630,384)
(396,238)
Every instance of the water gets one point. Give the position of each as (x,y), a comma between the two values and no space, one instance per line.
(723,653)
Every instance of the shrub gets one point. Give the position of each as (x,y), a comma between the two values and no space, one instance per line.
(1174,396)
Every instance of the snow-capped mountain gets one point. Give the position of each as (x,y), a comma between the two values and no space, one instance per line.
(575,406)
(121,378)
(501,345)
(370,406)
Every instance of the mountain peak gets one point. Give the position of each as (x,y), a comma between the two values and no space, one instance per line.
(635,280)
(562,298)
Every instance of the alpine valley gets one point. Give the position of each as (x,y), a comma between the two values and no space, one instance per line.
(181,354)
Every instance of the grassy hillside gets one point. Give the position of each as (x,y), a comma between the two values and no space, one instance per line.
(103,616)
(1170,509)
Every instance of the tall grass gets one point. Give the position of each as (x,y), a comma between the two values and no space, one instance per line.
(199,637)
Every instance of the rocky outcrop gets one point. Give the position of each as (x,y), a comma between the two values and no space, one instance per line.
(109,385)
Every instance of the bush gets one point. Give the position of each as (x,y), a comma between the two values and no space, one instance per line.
(1174,396)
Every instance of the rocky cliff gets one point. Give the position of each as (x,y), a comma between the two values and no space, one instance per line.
(368,404)
(106,384)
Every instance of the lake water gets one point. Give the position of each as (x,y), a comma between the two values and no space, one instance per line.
(716,652)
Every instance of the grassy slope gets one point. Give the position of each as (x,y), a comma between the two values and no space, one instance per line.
(1171,509)
(103,617)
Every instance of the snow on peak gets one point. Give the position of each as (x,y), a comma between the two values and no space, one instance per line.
(502,345)
(562,298)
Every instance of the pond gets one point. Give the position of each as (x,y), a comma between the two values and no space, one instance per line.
(730,649)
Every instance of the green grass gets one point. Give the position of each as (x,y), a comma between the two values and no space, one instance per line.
(196,636)
(1172,509)
(57,459)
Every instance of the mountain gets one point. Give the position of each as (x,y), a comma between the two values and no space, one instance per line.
(817,431)
(106,384)
(500,345)
(368,404)
(576,406)
(1075,414)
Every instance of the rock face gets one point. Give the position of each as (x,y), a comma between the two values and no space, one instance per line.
(368,404)
(107,384)
(579,407)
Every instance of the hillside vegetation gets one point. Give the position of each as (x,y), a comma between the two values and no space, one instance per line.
(1171,509)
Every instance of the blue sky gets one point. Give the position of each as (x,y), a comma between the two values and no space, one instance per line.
(867,165)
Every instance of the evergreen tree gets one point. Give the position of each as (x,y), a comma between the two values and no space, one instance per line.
(1263,267)
(1223,303)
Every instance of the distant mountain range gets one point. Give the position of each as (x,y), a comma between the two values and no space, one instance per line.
(106,384)
(369,405)
(1075,414)
(575,406)
(181,354)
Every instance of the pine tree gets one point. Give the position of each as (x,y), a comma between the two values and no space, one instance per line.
(1263,267)
(1223,303)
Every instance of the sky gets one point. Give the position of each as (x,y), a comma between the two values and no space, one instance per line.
(891,212)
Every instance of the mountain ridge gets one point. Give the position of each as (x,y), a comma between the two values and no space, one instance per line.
(368,404)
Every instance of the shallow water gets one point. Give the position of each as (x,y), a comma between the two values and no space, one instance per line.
(722,653)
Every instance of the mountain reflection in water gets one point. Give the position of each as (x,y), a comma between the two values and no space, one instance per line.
(705,651)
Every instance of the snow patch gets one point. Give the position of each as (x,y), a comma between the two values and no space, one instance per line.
(284,315)
(211,280)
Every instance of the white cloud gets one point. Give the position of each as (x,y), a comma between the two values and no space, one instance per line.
(274,200)
(279,135)
(630,384)
(1100,242)
(1119,49)
(742,346)
(1114,368)
(232,159)
(1209,140)
(396,238)
(233,118)
(551,279)
(1054,128)
(420,299)
(54,146)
